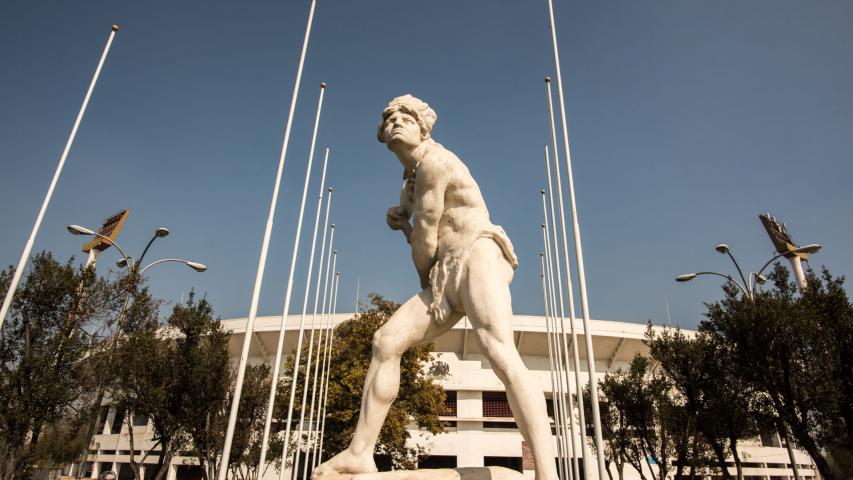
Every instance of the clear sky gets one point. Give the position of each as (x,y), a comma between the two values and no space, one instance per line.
(687,120)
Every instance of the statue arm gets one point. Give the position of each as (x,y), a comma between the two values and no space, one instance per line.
(429,206)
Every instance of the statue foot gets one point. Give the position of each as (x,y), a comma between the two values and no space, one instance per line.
(343,463)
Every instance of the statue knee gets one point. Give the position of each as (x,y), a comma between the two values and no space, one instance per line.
(503,358)
(385,346)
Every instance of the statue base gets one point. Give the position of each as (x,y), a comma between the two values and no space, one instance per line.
(464,473)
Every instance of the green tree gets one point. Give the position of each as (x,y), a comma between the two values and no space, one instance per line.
(421,398)
(207,430)
(178,374)
(146,381)
(721,406)
(795,350)
(618,448)
(46,363)
(653,419)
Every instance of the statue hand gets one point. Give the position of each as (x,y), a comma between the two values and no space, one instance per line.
(397,218)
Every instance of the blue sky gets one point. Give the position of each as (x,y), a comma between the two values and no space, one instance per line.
(687,120)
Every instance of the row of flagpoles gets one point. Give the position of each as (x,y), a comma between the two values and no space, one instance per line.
(552,250)
(554,278)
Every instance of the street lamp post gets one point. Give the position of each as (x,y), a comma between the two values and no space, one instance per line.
(748,289)
(126,261)
(749,283)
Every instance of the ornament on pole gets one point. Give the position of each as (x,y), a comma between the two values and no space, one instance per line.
(786,247)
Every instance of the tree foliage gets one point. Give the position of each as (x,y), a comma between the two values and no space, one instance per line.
(421,398)
(720,406)
(774,361)
(794,351)
(48,362)
(648,422)
(178,374)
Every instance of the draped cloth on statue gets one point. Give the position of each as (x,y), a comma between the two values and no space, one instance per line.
(450,268)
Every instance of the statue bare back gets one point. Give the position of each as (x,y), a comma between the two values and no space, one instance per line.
(465,265)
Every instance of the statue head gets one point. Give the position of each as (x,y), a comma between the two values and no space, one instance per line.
(401,107)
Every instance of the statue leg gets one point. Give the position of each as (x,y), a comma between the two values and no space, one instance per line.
(486,298)
(409,326)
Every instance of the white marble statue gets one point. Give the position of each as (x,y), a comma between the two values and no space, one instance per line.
(465,264)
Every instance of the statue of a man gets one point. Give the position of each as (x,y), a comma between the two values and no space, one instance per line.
(465,265)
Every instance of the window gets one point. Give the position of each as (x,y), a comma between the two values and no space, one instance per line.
(140,420)
(105,466)
(117,421)
(770,438)
(507,425)
(437,461)
(102,418)
(125,472)
(189,472)
(496,405)
(450,404)
(150,472)
(512,463)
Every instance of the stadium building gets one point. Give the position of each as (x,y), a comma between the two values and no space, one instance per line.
(482,431)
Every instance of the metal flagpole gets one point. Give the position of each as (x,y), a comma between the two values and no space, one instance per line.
(357,289)
(22,263)
(259,277)
(274,384)
(556,391)
(549,276)
(289,291)
(564,352)
(308,278)
(330,325)
(567,410)
(307,375)
(322,319)
(329,368)
(554,399)
(563,365)
(308,443)
(587,333)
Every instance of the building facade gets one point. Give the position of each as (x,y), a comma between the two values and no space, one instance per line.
(482,431)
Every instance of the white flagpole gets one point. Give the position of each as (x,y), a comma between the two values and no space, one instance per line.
(289,291)
(564,351)
(560,346)
(305,383)
(587,333)
(308,443)
(557,394)
(274,384)
(357,290)
(554,391)
(259,277)
(329,367)
(321,340)
(329,324)
(22,263)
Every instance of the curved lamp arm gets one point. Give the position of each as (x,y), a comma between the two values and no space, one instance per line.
(78,230)
(198,267)
(812,248)
(739,271)
(690,276)
(159,233)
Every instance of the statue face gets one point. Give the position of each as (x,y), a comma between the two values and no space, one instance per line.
(400,129)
